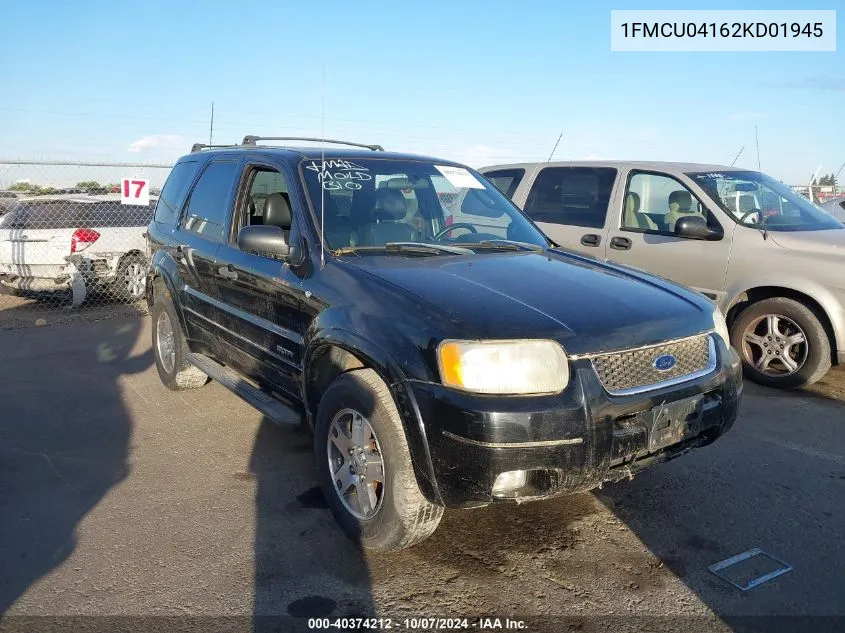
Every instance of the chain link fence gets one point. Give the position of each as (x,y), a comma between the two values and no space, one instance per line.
(67,240)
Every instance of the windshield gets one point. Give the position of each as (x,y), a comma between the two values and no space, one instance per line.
(755,199)
(373,202)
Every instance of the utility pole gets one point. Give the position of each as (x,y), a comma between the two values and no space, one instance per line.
(211,127)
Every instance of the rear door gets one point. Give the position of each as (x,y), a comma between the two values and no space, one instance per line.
(570,205)
(642,234)
(262,319)
(35,239)
(196,240)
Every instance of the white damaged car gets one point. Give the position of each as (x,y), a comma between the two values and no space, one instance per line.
(81,246)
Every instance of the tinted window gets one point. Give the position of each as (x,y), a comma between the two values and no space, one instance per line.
(209,205)
(60,215)
(173,194)
(114,215)
(576,196)
(506,180)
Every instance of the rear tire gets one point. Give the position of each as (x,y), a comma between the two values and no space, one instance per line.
(171,349)
(130,282)
(762,333)
(400,516)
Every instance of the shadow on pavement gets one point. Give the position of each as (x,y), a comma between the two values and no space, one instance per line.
(64,438)
(298,545)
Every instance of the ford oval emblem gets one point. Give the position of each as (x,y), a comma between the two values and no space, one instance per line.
(664,362)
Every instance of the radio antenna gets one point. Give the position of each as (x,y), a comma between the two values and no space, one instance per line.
(733,162)
(321,176)
(554,149)
(757,141)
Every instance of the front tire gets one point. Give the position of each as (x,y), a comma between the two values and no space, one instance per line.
(364,465)
(782,343)
(171,349)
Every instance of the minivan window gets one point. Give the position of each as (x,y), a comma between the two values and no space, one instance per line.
(208,207)
(575,196)
(173,194)
(755,199)
(506,180)
(655,203)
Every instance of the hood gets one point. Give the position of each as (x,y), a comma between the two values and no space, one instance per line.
(585,305)
(831,241)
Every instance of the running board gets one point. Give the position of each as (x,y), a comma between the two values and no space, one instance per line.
(275,410)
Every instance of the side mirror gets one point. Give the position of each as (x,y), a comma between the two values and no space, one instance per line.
(695,227)
(267,241)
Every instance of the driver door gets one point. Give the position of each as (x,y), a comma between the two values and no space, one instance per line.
(641,236)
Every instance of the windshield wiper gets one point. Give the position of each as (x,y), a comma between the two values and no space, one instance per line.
(511,245)
(407,247)
(424,247)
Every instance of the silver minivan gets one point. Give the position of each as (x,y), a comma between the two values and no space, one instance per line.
(769,258)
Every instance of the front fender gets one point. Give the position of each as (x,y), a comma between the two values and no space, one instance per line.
(830,301)
(390,369)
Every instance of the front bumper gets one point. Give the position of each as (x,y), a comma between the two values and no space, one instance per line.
(567,443)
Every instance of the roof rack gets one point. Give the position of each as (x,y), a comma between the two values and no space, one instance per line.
(198,147)
(252,140)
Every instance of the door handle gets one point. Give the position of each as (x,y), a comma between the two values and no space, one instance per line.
(228,272)
(620,243)
(590,239)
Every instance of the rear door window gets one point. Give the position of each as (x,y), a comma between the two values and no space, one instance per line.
(506,180)
(573,196)
(175,189)
(211,200)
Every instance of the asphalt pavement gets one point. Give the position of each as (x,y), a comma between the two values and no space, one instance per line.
(121,498)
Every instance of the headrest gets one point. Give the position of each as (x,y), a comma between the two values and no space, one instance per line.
(632,202)
(682,198)
(390,204)
(277,211)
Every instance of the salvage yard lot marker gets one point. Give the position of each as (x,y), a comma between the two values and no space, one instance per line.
(135,191)
(755,562)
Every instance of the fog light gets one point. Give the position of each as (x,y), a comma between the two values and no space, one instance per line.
(509,481)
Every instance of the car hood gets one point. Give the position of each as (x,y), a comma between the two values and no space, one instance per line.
(586,305)
(830,241)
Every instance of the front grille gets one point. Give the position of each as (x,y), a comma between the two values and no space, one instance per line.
(634,370)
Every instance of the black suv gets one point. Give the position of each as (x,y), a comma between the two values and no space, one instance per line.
(443,351)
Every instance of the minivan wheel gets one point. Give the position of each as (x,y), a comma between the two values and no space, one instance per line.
(171,350)
(364,465)
(782,343)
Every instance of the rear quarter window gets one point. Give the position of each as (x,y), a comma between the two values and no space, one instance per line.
(506,180)
(175,191)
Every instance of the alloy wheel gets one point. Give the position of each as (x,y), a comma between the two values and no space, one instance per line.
(166,342)
(356,464)
(775,345)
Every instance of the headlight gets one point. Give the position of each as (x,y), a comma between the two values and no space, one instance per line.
(503,367)
(721,327)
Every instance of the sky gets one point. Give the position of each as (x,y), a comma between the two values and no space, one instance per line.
(479,82)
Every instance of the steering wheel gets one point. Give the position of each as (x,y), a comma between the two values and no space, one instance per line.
(452,227)
(749,213)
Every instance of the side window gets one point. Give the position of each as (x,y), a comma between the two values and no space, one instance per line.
(173,194)
(209,202)
(655,202)
(506,180)
(576,196)
(263,183)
